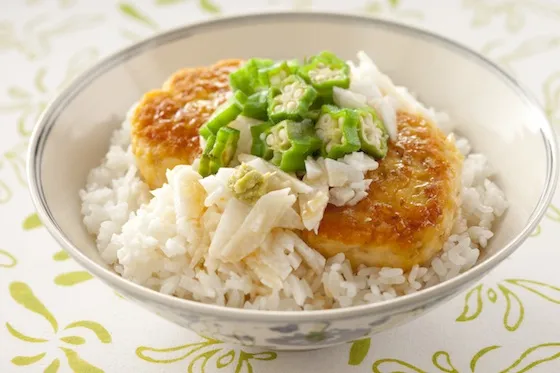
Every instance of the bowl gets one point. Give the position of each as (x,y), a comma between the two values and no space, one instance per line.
(500,119)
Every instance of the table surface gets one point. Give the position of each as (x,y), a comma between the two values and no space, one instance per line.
(54,317)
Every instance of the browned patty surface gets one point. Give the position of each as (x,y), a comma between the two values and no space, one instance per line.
(410,208)
(165,123)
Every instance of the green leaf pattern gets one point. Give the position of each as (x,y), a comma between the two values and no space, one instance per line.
(77,364)
(506,55)
(510,290)
(31,222)
(35,37)
(12,166)
(29,103)
(53,366)
(7,260)
(551,92)
(27,360)
(69,278)
(479,355)
(22,294)
(22,336)
(515,311)
(100,332)
(359,351)
(72,278)
(132,12)
(199,354)
(393,9)
(441,360)
(513,12)
(61,256)
(473,305)
(209,6)
(552,106)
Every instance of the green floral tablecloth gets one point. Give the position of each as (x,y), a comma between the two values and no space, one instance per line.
(54,317)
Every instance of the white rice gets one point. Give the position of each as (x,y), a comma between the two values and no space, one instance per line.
(169,239)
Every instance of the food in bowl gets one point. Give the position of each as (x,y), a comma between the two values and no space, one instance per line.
(289,185)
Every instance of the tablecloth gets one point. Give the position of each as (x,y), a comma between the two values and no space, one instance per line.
(54,317)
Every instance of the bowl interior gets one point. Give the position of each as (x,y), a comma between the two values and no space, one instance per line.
(488,110)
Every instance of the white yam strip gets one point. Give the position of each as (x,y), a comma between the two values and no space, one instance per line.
(388,115)
(188,194)
(263,217)
(234,215)
(312,207)
(264,274)
(348,99)
(312,258)
(291,220)
(243,125)
(340,173)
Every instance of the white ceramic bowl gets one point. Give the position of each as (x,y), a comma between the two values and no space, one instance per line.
(498,117)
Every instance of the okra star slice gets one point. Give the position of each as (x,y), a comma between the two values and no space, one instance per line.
(246,78)
(258,135)
(219,151)
(206,166)
(256,105)
(224,115)
(225,146)
(291,100)
(313,114)
(205,132)
(291,143)
(338,131)
(273,75)
(326,71)
(373,134)
(293,65)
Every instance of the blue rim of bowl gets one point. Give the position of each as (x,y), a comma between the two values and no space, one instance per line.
(441,290)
